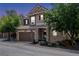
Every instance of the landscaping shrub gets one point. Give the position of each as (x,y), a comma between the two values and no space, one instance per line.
(54,45)
(34,41)
(66,43)
(43,42)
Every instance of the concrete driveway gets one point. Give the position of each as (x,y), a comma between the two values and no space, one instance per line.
(26,49)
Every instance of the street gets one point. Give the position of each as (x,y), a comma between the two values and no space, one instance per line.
(25,49)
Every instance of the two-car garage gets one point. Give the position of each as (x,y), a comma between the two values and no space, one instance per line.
(24,33)
(26,36)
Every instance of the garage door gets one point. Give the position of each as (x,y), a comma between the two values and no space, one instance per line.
(26,36)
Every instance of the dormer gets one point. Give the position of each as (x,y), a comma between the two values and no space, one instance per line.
(26,20)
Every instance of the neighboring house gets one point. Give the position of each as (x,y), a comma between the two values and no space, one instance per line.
(34,27)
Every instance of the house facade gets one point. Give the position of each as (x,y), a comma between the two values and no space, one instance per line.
(33,27)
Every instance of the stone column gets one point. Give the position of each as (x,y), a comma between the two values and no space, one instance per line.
(17,36)
(36,34)
(47,34)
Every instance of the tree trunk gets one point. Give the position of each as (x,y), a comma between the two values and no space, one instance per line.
(2,35)
(73,41)
(72,38)
(8,36)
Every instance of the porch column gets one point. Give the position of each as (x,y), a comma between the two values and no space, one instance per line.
(36,34)
(17,36)
(47,34)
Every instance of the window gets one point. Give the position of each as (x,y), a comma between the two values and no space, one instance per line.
(33,20)
(41,17)
(26,21)
(54,33)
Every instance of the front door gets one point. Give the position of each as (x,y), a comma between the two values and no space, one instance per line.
(42,33)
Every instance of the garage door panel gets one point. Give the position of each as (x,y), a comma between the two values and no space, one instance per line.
(26,36)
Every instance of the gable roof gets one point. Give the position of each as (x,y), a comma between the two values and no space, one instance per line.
(37,9)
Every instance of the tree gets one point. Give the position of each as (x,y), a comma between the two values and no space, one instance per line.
(48,16)
(64,18)
(9,22)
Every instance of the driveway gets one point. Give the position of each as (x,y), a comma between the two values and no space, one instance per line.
(27,49)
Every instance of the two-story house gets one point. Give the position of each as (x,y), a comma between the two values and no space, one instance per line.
(34,27)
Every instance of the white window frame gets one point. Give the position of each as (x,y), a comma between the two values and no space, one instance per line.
(54,33)
(32,20)
(41,16)
(26,21)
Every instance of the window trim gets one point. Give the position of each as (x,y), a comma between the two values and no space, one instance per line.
(25,21)
(54,33)
(33,20)
(41,17)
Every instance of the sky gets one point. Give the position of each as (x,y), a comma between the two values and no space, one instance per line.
(21,8)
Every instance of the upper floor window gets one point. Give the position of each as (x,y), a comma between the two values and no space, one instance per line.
(32,20)
(41,17)
(26,21)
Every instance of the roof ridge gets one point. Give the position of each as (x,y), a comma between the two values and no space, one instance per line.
(37,5)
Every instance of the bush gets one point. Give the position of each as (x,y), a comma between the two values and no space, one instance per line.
(66,43)
(34,42)
(54,44)
(43,42)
